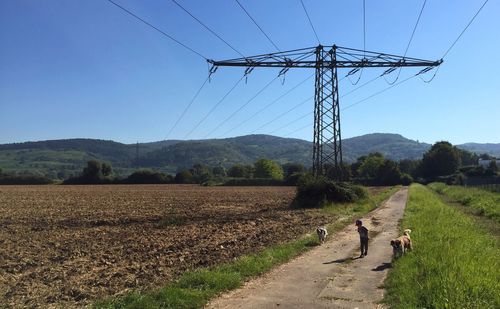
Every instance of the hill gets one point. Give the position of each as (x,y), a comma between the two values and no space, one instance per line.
(61,158)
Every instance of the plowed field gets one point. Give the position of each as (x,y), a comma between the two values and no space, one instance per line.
(65,246)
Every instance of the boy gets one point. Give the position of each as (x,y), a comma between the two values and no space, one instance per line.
(363,237)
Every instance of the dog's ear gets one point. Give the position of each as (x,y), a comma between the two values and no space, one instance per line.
(392,242)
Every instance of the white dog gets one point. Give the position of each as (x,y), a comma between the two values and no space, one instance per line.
(322,233)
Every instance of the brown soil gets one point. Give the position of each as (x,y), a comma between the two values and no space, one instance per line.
(65,246)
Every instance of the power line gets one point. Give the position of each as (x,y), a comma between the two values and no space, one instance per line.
(283,114)
(409,42)
(159,30)
(349,106)
(301,117)
(299,129)
(379,92)
(364,28)
(268,105)
(214,107)
(187,107)
(470,22)
(415,28)
(206,27)
(310,22)
(241,107)
(261,30)
(291,122)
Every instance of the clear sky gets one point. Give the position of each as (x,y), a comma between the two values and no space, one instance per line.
(87,69)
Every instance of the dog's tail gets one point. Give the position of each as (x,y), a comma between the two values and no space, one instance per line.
(407,232)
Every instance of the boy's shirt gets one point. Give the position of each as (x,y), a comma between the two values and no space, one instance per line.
(363,232)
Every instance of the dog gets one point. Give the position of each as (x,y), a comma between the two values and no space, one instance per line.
(401,244)
(322,233)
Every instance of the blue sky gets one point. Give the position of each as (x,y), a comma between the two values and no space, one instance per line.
(86,69)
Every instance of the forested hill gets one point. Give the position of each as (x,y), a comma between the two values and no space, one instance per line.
(69,156)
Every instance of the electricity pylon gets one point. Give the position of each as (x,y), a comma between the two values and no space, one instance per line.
(327,142)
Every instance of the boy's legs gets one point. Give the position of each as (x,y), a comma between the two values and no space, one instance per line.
(364,246)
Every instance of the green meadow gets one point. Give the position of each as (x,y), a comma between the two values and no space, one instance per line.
(455,262)
(478,201)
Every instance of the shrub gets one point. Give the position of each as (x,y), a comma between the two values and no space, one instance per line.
(254,182)
(318,192)
(23,179)
(406,179)
(148,177)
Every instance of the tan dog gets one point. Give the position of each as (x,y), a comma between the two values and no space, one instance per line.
(401,244)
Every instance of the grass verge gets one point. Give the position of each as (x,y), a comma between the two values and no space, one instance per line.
(454,264)
(480,202)
(195,288)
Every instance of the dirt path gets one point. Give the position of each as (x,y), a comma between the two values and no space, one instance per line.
(330,276)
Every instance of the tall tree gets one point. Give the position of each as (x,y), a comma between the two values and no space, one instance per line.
(265,168)
(442,159)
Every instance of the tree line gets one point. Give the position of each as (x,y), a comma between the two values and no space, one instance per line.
(442,162)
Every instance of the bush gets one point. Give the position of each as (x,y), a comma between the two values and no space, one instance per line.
(317,192)
(406,179)
(23,179)
(148,177)
(254,182)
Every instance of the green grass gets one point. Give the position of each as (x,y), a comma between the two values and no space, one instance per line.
(480,202)
(455,263)
(195,288)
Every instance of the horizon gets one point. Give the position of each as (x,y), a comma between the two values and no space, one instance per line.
(117,79)
(187,140)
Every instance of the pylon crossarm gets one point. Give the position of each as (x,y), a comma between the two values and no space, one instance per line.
(346,58)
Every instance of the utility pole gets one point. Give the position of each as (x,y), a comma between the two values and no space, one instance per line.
(327,141)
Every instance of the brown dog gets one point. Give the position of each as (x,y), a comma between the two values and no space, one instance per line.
(401,244)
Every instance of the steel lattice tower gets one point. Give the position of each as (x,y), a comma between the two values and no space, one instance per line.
(327,141)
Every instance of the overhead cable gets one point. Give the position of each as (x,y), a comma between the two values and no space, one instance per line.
(283,114)
(157,29)
(241,107)
(206,27)
(310,22)
(268,105)
(214,107)
(409,42)
(187,107)
(466,27)
(261,30)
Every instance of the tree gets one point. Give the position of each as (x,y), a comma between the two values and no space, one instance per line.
(106,169)
(409,167)
(467,157)
(265,168)
(241,171)
(342,172)
(292,168)
(492,167)
(219,171)
(184,176)
(442,159)
(199,170)
(371,165)
(389,173)
(92,170)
